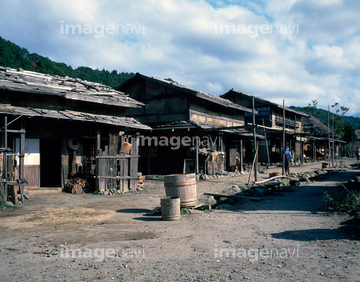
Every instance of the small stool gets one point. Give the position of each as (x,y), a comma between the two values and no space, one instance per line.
(273,186)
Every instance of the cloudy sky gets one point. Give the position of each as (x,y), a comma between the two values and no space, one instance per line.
(297,50)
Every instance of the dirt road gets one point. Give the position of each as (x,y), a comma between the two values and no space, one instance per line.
(287,236)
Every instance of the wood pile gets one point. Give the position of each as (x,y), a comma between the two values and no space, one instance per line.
(141,179)
(77,186)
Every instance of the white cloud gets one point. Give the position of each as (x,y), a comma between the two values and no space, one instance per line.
(316,58)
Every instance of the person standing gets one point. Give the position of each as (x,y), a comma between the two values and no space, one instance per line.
(288,159)
(357,152)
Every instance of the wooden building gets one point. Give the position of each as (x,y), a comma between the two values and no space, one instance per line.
(210,124)
(270,121)
(57,128)
(321,143)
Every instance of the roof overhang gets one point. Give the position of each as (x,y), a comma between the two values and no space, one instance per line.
(73,116)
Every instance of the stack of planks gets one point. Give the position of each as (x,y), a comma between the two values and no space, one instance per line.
(141,179)
(77,186)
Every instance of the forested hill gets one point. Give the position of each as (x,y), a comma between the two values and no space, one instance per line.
(11,55)
(322,115)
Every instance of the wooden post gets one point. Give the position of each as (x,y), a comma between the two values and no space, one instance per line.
(134,162)
(113,151)
(22,161)
(241,156)
(314,151)
(97,160)
(266,142)
(283,140)
(329,132)
(197,156)
(5,163)
(333,142)
(255,143)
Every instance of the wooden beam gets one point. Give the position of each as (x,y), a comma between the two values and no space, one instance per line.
(22,160)
(233,196)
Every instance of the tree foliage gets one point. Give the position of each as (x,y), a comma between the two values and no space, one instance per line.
(11,55)
(349,135)
(343,125)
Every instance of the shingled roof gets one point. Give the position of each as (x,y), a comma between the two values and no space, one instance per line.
(261,100)
(70,88)
(185,89)
(22,81)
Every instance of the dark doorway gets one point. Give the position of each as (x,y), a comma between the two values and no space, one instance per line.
(50,163)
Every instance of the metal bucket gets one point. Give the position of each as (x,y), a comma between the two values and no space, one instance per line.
(182,186)
(170,208)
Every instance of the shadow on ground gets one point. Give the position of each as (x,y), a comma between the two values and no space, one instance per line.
(134,211)
(348,230)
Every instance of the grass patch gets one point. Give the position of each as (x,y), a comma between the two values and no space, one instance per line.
(6,206)
(346,201)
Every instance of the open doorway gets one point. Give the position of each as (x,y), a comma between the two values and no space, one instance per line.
(50,163)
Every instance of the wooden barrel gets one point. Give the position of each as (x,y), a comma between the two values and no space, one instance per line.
(182,186)
(170,208)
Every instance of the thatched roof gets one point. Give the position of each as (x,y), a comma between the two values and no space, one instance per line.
(314,127)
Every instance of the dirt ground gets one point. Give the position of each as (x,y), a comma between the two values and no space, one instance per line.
(284,237)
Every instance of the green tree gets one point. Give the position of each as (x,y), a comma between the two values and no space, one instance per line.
(349,134)
(311,109)
(337,118)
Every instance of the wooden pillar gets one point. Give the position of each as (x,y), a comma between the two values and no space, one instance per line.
(22,161)
(113,151)
(148,150)
(302,152)
(197,155)
(97,160)
(255,143)
(266,143)
(283,140)
(5,163)
(329,134)
(241,156)
(134,161)
(314,151)
(333,144)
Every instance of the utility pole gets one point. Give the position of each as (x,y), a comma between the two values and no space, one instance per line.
(255,143)
(283,140)
(333,141)
(329,131)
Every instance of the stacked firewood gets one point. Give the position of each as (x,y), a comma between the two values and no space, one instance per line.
(77,186)
(141,179)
